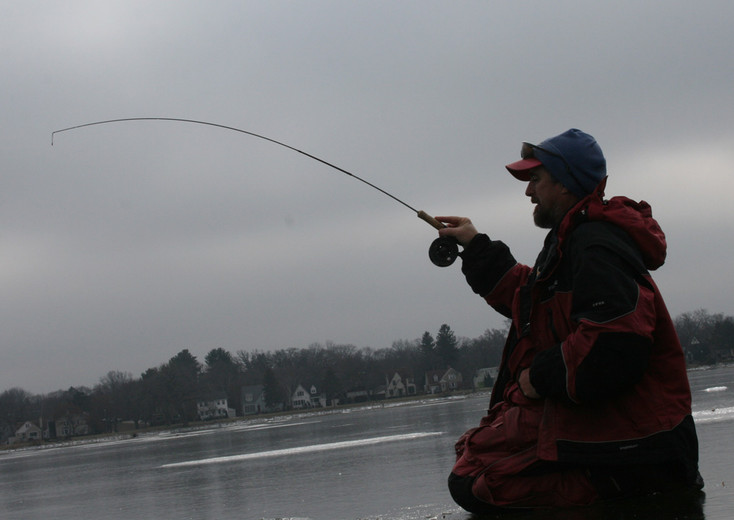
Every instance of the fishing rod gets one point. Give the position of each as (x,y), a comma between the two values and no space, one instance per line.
(442,252)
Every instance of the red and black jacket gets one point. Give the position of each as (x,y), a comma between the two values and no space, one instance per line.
(590,323)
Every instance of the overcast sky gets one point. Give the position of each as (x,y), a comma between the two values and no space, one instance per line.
(125,243)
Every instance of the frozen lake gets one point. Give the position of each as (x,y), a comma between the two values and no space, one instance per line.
(375,462)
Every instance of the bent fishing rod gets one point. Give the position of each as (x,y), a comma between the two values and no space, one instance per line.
(442,252)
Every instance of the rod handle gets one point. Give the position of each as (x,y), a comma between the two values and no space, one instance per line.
(432,221)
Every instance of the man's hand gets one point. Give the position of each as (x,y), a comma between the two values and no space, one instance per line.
(526,387)
(461,228)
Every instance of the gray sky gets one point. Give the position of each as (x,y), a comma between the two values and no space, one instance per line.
(123,244)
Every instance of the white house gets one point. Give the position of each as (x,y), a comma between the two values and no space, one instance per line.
(440,381)
(253,400)
(310,398)
(214,408)
(301,398)
(26,433)
(400,385)
(482,375)
(69,425)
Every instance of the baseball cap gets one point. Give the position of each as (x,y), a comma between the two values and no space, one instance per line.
(574,158)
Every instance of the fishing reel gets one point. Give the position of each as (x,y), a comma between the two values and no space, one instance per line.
(443,251)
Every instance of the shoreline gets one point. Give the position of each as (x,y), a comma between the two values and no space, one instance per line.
(174,429)
(104,438)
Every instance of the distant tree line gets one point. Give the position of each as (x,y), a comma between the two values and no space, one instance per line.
(706,338)
(168,394)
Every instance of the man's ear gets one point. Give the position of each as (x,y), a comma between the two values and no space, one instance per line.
(565,192)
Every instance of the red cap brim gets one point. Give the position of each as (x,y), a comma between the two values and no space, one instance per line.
(521,169)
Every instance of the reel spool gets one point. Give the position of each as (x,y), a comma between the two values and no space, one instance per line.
(443,251)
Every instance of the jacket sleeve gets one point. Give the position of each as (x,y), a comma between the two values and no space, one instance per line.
(492,272)
(613,312)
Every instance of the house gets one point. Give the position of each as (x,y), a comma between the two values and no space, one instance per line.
(213,407)
(485,377)
(310,398)
(253,400)
(301,398)
(433,382)
(317,399)
(440,381)
(69,425)
(400,385)
(28,432)
(357,395)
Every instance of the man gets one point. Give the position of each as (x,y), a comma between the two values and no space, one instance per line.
(592,399)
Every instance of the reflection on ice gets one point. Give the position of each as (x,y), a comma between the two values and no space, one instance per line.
(716,389)
(714,415)
(304,449)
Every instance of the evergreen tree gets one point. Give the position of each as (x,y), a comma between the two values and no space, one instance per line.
(330,384)
(218,356)
(181,376)
(223,377)
(427,344)
(273,390)
(446,346)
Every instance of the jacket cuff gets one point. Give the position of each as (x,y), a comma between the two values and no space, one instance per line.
(485,262)
(548,373)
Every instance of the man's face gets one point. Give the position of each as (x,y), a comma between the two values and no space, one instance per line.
(552,200)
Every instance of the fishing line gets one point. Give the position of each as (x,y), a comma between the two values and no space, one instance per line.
(443,251)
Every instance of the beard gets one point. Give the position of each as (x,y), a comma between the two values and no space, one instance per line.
(544,217)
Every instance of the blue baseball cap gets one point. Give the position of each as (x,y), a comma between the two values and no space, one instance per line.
(574,158)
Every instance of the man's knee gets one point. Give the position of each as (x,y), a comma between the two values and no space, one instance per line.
(461,491)
(546,486)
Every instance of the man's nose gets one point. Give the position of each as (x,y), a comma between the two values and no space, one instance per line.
(529,189)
